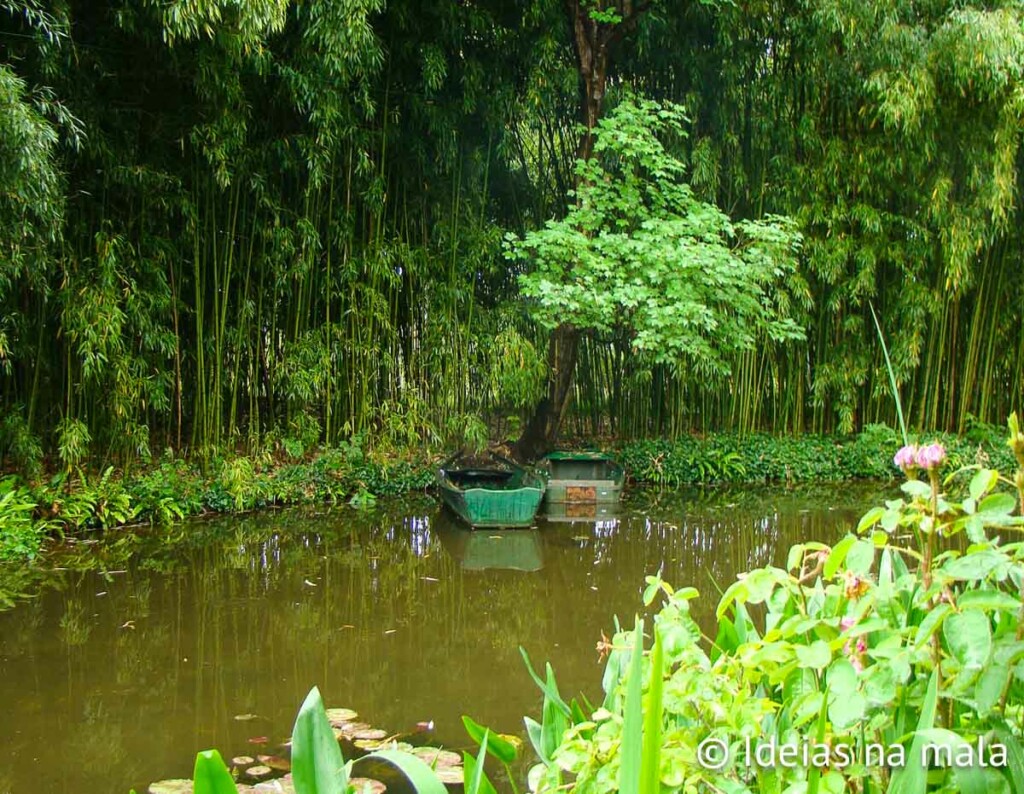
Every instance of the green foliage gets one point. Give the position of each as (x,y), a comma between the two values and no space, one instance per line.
(20,535)
(757,457)
(319,768)
(20,445)
(639,252)
(845,652)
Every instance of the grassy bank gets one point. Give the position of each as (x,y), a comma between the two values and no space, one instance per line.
(173,489)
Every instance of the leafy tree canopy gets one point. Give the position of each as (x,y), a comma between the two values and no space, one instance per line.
(638,252)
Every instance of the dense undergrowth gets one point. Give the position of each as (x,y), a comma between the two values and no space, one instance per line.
(33,510)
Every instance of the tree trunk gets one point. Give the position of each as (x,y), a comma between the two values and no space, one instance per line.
(592,41)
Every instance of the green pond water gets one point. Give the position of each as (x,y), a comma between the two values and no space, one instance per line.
(115,676)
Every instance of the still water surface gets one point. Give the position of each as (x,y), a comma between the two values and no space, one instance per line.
(114,678)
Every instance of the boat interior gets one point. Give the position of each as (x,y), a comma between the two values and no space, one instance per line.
(493,479)
(598,469)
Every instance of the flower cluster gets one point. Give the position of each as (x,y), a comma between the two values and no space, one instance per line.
(913,457)
(854,651)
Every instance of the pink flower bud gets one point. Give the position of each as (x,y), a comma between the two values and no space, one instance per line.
(931,457)
(906,458)
(847,623)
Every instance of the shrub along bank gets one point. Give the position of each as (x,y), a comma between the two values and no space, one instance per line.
(176,488)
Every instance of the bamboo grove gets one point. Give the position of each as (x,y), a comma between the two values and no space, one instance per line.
(228,224)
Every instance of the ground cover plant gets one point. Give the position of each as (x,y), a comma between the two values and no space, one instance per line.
(891,661)
(33,511)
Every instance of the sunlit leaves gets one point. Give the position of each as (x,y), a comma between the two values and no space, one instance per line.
(638,251)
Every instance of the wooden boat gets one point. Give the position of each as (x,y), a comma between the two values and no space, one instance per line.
(508,496)
(583,478)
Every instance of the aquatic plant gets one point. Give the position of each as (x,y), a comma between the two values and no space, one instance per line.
(317,765)
(873,664)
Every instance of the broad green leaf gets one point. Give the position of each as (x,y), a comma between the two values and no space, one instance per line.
(861,557)
(969,638)
(989,600)
(317,764)
(211,776)
(996,507)
(817,655)
(415,770)
(974,565)
(501,748)
(983,482)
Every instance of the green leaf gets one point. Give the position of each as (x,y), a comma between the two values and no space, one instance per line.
(317,764)
(650,769)
(969,638)
(814,775)
(416,771)
(500,748)
(839,552)
(861,557)
(997,507)
(548,687)
(970,778)
(988,600)
(931,622)
(912,778)
(975,565)
(817,655)
(868,520)
(983,482)
(632,726)
(211,776)
(476,781)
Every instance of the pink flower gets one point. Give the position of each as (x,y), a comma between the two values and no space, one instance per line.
(906,458)
(847,623)
(931,457)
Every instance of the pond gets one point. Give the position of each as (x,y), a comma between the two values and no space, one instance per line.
(210,634)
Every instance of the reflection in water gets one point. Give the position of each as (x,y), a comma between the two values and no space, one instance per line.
(114,681)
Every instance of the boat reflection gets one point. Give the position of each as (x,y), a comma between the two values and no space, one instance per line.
(486,549)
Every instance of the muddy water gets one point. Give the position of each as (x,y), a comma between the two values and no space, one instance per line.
(211,635)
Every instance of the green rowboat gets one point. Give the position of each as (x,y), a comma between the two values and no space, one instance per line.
(583,478)
(492,497)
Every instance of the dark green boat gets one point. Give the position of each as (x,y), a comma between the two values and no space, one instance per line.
(492,497)
(583,478)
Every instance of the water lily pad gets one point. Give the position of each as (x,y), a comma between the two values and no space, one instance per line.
(258,772)
(360,785)
(339,716)
(176,786)
(369,745)
(243,760)
(435,756)
(283,785)
(276,762)
(450,775)
(370,733)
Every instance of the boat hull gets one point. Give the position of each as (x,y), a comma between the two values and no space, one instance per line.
(483,502)
(583,478)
